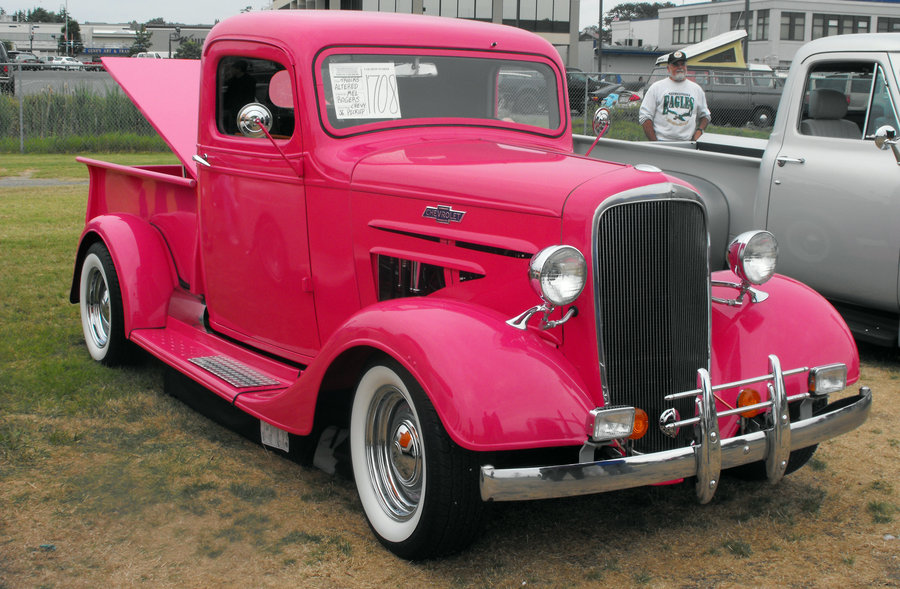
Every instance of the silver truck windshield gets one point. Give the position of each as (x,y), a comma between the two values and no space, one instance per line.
(399,89)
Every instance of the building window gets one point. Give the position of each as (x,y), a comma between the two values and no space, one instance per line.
(827,25)
(543,16)
(738,22)
(678,30)
(887,24)
(762,25)
(792,26)
(696,28)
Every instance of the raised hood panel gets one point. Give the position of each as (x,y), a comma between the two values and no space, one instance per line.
(482,173)
(167,92)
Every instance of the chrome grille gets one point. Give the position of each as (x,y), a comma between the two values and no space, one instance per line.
(653,307)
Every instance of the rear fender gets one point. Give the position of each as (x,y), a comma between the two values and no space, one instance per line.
(143,264)
(493,386)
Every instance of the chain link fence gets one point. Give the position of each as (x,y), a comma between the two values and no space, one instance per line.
(740,100)
(72,115)
(81,116)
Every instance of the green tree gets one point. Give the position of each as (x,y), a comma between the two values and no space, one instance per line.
(71,45)
(190,48)
(157,21)
(631,11)
(41,15)
(141,40)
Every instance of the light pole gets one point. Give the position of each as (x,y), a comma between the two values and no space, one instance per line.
(67,27)
(174,36)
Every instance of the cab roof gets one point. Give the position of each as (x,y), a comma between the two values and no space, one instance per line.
(315,29)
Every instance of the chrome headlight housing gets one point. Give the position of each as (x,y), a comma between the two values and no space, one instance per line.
(752,256)
(558,274)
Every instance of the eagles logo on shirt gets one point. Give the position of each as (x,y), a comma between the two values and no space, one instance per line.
(678,107)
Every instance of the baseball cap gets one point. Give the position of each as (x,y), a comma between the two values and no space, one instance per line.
(676,56)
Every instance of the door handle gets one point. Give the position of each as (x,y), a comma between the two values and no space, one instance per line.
(201,160)
(783,159)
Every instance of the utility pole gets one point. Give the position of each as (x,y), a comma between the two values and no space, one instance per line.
(600,40)
(746,29)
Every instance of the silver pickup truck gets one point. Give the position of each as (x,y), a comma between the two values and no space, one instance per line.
(821,183)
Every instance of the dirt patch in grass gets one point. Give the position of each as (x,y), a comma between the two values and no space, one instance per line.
(150,492)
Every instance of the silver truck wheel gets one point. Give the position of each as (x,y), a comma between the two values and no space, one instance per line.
(100,301)
(418,489)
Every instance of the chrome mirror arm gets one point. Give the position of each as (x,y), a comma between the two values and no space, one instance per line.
(521,321)
(756,295)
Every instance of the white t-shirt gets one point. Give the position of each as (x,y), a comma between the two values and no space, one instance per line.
(674,107)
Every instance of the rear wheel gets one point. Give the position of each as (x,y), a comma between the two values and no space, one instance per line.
(102,314)
(419,490)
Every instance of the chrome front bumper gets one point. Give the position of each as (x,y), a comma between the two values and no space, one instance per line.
(703,460)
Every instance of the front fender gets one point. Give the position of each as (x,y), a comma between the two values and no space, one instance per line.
(143,265)
(795,323)
(494,387)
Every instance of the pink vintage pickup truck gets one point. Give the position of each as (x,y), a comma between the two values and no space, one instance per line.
(378,225)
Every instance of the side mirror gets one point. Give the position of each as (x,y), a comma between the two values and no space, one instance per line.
(886,138)
(252,118)
(883,137)
(600,124)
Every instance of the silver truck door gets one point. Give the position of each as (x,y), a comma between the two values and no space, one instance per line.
(834,202)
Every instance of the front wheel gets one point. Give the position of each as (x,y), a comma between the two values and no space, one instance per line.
(419,490)
(762,117)
(102,314)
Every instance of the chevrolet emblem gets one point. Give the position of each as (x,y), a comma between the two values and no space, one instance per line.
(443,214)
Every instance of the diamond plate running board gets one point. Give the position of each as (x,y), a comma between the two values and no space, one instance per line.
(235,373)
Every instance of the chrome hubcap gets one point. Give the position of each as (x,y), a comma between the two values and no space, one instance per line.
(394,453)
(97,305)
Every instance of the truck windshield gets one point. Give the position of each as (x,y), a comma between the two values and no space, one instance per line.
(392,89)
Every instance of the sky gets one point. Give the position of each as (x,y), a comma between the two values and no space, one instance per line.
(124,11)
(199,11)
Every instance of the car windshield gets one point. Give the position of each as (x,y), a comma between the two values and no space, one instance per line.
(362,91)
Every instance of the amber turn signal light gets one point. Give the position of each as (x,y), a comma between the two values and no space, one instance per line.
(749,397)
(641,423)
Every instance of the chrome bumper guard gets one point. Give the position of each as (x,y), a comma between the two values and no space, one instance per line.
(704,460)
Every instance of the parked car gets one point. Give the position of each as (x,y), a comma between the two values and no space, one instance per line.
(819,183)
(736,96)
(68,63)
(25,60)
(94,65)
(148,55)
(395,251)
(585,89)
(7,78)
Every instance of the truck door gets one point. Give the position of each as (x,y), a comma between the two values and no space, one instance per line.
(834,201)
(253,220)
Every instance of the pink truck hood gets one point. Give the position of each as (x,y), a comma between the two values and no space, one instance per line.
(167,92)
(483,172)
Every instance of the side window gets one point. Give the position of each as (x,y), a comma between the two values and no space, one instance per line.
(835,100)
(763,79)
(244,80)
(699,76)
(727,79)
(882,110)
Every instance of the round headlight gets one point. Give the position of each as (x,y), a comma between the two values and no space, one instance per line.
(752,256)
(558,274)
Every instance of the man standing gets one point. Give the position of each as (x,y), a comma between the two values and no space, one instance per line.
(674,108)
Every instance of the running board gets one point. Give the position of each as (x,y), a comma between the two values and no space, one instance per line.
(217,364)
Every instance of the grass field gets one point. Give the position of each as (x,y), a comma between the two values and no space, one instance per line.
(107,481)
